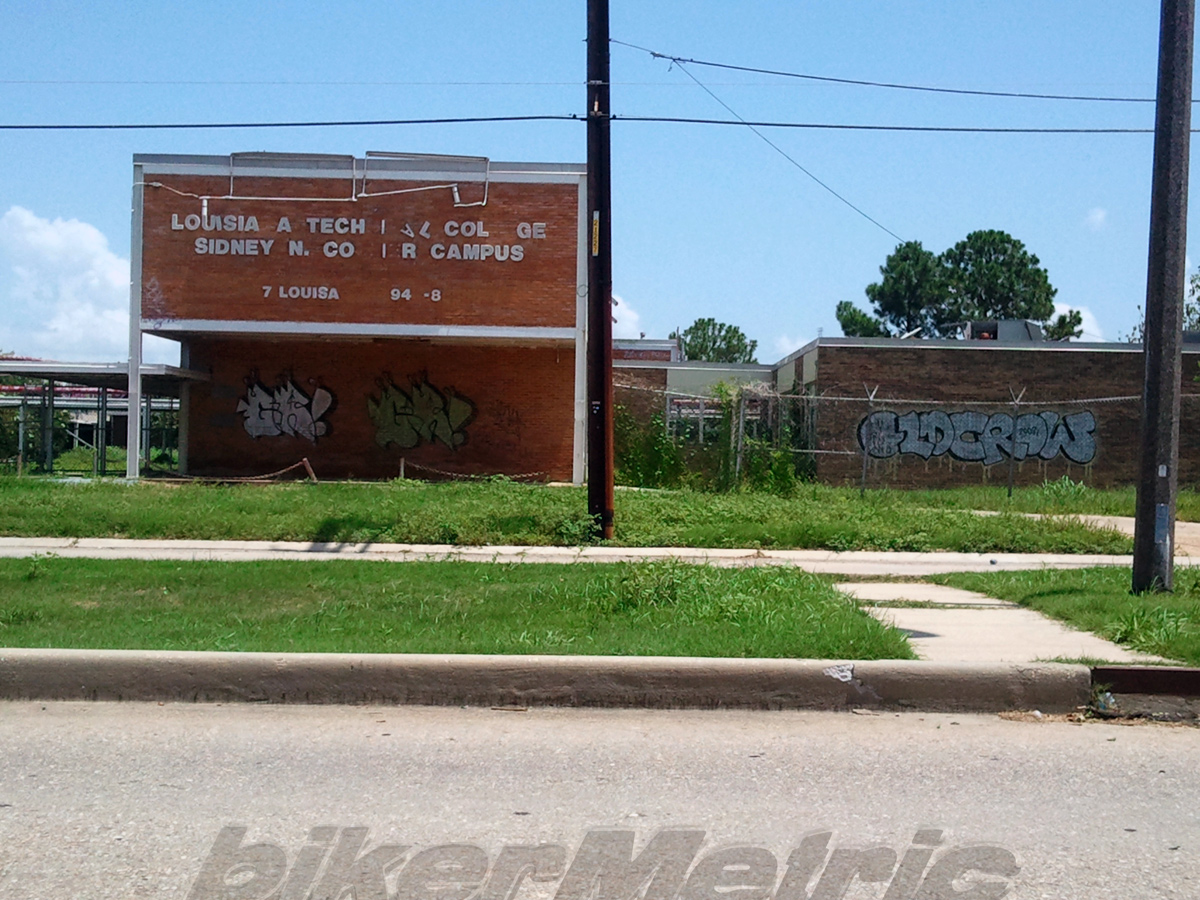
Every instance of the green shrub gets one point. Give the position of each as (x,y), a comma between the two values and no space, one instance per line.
(645,455)
(769,469)
(1063,493)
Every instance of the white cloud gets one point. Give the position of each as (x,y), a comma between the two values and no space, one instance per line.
(785,344)
(1091,327)
(65,294)
(1096,218)
(627,320)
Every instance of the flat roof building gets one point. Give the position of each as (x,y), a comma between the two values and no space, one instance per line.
(364,311)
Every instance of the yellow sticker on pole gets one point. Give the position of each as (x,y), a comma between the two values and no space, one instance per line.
(596,233)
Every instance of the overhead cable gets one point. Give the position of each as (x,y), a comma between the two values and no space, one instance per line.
(354,123)
(1020,95)
(669,120)
(787,156)
(835,126)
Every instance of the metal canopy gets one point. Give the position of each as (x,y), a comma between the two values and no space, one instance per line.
(159,380)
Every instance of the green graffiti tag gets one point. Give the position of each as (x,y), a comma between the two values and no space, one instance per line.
(422,413)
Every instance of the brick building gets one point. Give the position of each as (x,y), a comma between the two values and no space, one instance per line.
(944,411)
(360,312)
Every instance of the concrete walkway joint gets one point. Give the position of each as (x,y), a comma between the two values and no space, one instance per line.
(850,562)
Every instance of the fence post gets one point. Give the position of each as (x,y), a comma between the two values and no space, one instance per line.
(147,432)
(810,428)
(1012,447)
(732,440)
(741,432)
(48,426)
(866,441)
(21,433)
(102,422)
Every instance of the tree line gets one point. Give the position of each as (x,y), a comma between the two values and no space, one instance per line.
(989,275)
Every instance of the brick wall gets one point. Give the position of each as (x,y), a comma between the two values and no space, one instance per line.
(630,353)
(640,390)
(466,409)
(537,290)
(961,377)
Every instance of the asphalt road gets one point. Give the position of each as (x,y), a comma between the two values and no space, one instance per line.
(102,800)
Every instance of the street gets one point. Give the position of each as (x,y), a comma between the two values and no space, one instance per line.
(106,800)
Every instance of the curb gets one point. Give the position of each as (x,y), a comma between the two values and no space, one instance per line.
(1175,681)
(583,681)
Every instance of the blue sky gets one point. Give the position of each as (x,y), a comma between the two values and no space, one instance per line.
(708,220)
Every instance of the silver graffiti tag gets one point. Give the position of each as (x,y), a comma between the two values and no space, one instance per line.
(978,437)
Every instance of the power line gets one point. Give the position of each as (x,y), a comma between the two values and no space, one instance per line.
(786,156)
(72,82)
(656,54)
(278,83)
(948,129)
(669,120)
(354,123)
(887,84)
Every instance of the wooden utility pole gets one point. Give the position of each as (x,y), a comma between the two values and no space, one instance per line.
(1154,528)
(599,336)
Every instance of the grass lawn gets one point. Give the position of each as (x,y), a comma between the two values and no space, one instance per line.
(664,609)
(501,512)
(82,459)
(1098,600)
(1062,497)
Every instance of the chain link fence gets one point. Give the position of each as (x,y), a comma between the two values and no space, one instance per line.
(72,430)
(739,432)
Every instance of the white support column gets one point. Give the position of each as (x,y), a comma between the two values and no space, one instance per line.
(133,432)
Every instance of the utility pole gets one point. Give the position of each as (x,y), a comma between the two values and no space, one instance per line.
(599,336)
(1154,528)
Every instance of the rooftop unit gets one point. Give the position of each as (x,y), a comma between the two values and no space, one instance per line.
(1007,330)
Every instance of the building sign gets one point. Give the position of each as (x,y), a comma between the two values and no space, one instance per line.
(487,248)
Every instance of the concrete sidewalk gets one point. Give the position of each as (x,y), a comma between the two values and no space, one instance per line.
(953,625)
(1187,534)
(850,562)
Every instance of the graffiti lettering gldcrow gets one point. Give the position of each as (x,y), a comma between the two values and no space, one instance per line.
(978,437)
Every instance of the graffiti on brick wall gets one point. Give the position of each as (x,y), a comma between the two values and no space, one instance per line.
(421,413)
(508,422)
(979,437)
(154,304)
(284,410)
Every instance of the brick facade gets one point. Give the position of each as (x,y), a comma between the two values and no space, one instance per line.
(462,409)
(537,290)
(641,390)
(948,442)
(362,311)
